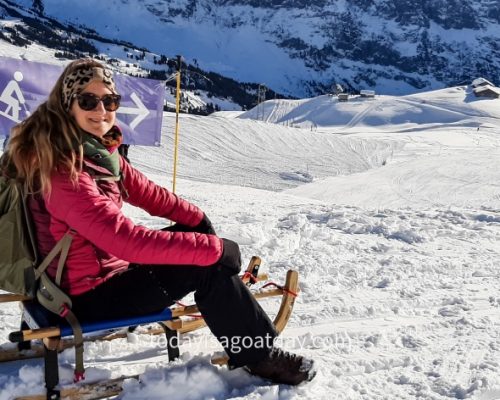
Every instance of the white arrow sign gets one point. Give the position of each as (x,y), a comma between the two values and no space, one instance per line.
(141,111)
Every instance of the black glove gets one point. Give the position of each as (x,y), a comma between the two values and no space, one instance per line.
(230,261)
(205,226)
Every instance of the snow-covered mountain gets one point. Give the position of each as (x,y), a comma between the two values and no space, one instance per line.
(301,47)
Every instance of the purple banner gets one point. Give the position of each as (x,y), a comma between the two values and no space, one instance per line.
(26,84)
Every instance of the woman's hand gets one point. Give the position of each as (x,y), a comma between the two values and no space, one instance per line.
(205,226)
(230,261)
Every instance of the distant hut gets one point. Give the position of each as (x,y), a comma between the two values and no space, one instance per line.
(343,96)
(487,91)
(367,93)
(481,82)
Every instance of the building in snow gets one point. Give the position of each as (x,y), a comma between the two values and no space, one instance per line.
(343,96)
(367,93)
(487,91)
(481,82)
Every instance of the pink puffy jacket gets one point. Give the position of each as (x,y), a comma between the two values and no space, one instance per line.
(106,241)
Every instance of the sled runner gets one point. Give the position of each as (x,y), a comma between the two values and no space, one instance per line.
(55,334)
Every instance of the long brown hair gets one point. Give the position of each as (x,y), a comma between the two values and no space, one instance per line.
(48,139)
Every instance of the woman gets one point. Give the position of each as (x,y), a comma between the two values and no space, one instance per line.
(66,154)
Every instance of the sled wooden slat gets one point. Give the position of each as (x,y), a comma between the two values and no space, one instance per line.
(87,391)
(182,311)
(183,326)
(288,300)
(10,297)
(42,333)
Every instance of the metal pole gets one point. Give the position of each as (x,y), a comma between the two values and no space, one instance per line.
(177,108)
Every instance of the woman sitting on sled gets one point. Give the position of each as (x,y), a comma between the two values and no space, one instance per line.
(66,153)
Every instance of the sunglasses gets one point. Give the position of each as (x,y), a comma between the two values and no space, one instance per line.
(89,101)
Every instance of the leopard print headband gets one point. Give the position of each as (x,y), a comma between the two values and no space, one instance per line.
(76,81)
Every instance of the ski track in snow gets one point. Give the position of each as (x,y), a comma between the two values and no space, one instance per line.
(396,240)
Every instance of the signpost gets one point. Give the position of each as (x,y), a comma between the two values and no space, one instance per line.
(177,110)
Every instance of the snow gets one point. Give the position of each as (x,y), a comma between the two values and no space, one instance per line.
(389,210)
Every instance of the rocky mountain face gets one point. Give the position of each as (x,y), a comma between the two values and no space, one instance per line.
(309,46)
(364,43)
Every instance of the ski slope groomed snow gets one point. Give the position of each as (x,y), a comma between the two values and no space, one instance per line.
(389,208)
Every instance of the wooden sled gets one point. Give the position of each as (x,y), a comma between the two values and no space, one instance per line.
(38,324)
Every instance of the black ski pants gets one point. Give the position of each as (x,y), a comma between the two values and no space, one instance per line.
(229,309)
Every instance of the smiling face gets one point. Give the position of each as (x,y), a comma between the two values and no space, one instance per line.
(97,121)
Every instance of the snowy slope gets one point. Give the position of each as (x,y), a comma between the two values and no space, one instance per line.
(390,211)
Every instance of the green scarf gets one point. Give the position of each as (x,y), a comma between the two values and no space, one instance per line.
(99,154)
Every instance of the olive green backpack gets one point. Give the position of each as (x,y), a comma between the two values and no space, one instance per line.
(18,255)
(20,268)
(21,271)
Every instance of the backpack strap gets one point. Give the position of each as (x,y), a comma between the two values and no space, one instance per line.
(62,246)
(78,337)
(106,178)
(50,296)
(65,245)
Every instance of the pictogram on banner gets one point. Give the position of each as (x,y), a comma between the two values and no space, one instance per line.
(13,98)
